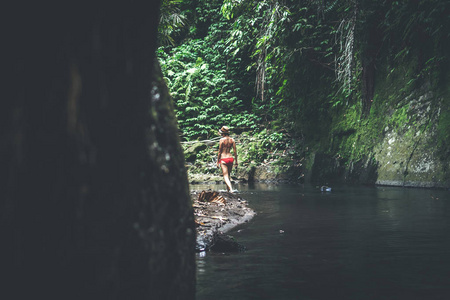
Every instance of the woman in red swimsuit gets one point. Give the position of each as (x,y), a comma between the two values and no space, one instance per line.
(225,159)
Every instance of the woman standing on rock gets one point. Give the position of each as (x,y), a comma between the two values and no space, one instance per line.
(225,159)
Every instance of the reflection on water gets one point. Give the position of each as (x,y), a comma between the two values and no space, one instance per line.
(352,243)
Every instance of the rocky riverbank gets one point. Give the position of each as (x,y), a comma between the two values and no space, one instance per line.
(215,214)
(262,173)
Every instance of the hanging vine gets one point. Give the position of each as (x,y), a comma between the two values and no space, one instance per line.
(345,59)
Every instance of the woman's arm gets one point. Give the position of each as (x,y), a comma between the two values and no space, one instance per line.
(235,152)
(220,152)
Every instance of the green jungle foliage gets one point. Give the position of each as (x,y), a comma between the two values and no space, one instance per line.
(205,83)
(331,74)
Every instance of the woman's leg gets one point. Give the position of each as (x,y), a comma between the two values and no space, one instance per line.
(230,167)
(226,176)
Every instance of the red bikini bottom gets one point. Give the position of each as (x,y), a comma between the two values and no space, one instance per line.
(228,161)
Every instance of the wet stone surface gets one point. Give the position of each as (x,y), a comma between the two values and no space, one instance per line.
(214,216)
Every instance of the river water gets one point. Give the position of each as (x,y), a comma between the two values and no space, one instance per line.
(358,243)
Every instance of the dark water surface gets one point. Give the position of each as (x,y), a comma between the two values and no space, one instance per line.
(356,243)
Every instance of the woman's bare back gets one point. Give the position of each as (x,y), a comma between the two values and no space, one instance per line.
(226,144)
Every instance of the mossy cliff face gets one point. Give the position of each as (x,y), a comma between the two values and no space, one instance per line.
(402,141)
(409,155)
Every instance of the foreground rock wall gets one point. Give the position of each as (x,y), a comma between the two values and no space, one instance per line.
(94,197)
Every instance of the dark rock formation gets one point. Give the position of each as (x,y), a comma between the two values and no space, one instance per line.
(94,197)
(191,153)
(226,243)
(271,173)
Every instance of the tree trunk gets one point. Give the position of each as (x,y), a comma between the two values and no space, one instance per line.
(94,196)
